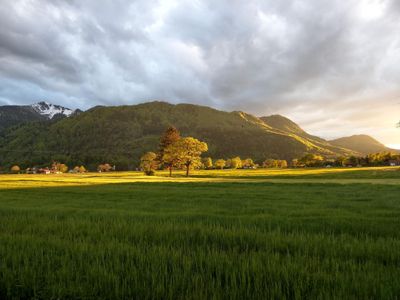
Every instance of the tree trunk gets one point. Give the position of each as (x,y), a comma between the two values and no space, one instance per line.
(170,171)
(187,170)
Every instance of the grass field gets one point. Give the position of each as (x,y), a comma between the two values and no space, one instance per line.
(245,234)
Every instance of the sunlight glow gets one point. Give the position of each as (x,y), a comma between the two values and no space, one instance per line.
(393,146)
(371,9)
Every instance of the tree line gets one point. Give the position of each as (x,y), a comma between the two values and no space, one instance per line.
(176,152)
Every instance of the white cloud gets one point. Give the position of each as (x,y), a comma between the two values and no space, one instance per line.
(333,66)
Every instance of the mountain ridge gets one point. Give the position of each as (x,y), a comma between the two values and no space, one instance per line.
(120,134)
(362,143)
(11,115)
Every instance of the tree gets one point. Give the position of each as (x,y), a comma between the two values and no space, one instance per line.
(248,163)
(220,164)
(63,168)
(353,161)
(295,163)
(270,163)
(104,168)
(58,167)
(148,163)
(312,160)
(228,163)
(207,163)
(283,164)
(340,161)
(170,136)
(80,169)
(236,163)
(15,169)
(185,152)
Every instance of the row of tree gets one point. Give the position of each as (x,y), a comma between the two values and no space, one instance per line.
(376,159)
(176,152)
(57,167)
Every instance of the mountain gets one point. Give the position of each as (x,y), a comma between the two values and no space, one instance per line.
(121,134)
(11,115)
(49,110)
(14,115)
(288,127)
(360,143)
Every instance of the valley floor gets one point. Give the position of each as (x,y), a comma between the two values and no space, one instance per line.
(243,234)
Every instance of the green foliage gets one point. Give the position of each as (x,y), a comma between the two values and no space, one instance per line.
(17,116)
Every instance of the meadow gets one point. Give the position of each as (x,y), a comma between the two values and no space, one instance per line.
(229,234)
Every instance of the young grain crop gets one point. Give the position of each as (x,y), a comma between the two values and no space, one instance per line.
(197,240)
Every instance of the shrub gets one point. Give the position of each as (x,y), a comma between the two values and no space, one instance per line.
(15,169)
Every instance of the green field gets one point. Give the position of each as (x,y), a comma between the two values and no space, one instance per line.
(245,234)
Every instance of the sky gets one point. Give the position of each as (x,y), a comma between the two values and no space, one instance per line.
(332,66)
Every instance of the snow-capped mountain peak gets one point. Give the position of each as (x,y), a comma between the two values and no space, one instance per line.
(50,110)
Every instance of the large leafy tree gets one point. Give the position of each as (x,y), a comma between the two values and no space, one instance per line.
(170,136)
(185,152)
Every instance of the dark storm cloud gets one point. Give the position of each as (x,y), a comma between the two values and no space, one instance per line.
(314,60)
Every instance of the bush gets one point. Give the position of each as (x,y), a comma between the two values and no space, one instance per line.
(15,169)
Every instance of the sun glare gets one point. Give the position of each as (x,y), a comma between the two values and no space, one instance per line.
(394,146)
(371,9)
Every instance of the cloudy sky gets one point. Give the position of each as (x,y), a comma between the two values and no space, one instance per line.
(333,66)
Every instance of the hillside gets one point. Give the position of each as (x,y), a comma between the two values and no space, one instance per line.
(360,143)
(11,115)
(121,134)
(14,115)
(288,127)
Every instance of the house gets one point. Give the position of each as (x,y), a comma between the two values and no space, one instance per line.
(394,163)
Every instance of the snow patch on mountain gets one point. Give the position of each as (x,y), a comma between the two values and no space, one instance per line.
(50,110)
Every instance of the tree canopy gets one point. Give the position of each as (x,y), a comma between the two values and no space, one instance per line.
(220,164)
(170,136)
(185,152)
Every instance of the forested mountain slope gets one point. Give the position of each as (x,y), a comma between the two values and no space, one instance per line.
(120,134)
